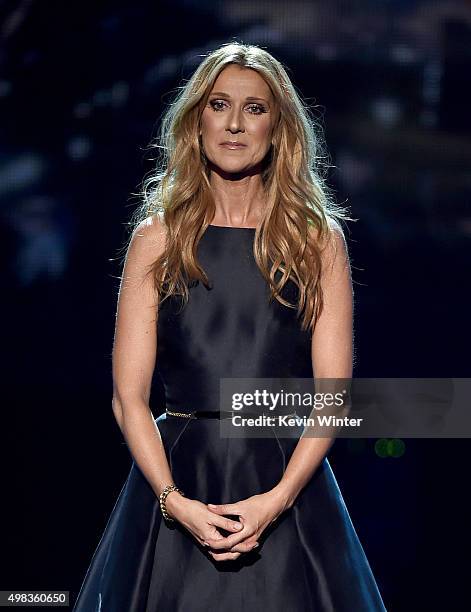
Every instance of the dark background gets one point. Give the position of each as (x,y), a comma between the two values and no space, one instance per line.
(82,87)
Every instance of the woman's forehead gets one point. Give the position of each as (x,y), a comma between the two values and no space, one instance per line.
(234,79)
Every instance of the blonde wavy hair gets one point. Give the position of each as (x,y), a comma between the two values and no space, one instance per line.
(298,200)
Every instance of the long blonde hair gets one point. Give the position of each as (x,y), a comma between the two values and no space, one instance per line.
(178,191)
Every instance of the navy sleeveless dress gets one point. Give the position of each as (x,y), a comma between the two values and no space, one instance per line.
(310,558)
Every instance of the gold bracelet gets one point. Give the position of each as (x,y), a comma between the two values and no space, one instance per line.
(163,496)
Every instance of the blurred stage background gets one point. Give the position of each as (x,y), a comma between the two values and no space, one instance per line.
(82,86)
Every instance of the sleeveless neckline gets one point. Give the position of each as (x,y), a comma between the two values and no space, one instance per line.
(232,227)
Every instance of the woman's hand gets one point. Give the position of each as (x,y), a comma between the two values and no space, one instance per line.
(256,513)
(203,524)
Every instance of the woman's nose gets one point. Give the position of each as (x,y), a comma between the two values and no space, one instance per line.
(236,121)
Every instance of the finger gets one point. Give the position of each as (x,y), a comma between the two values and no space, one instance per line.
(245,547)
(227,556)
(205,541)
(224,508)
(225,523)
(213,534)
(229,541)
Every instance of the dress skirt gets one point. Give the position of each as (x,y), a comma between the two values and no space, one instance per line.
(309,559)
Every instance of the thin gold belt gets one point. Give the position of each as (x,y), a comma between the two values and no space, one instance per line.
(202,414)
(215,414)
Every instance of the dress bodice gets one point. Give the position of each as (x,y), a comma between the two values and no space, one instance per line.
(228,330)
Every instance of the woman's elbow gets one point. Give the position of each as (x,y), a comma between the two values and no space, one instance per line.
(117,410)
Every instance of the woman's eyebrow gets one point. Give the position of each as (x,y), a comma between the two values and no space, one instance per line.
(221,93)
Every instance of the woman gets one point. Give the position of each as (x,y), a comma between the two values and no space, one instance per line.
(236,214)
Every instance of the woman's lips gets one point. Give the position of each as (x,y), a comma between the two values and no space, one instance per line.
(230,145)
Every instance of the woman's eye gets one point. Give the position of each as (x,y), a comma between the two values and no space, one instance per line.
(215,105)
(259,109)
(255,109)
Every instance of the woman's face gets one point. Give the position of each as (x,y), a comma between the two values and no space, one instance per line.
(240,109)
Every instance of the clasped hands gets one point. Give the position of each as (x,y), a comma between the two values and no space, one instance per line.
(204,522)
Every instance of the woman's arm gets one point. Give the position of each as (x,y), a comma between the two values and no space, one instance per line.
(332,357)
(134,355)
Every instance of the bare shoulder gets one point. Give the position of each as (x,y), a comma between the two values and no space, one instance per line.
(148,238)
(334,239)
